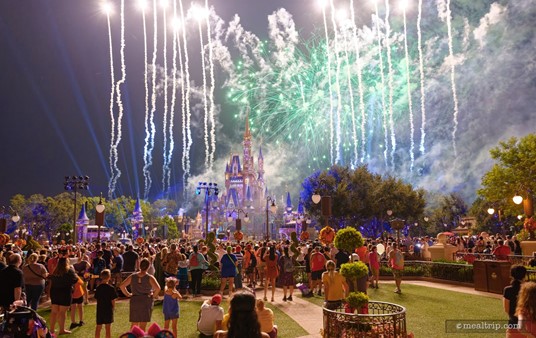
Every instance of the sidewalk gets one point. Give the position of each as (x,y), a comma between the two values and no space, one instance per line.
(310,317)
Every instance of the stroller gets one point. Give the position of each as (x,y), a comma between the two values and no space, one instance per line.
(23,322)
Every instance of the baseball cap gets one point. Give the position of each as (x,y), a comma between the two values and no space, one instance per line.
(216,299)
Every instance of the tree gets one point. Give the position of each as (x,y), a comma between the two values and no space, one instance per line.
(360,198)
(513,173)
(447,213)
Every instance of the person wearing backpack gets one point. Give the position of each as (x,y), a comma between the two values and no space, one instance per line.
(197,266)
(396,261)
(286,277)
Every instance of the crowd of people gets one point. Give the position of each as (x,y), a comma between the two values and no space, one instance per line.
(72,275)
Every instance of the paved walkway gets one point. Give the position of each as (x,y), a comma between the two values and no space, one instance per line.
(309,316)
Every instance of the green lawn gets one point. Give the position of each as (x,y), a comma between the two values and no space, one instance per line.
(427,309)
(288,328)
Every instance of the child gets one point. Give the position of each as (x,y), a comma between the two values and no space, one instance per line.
(105,296)
(79,290)
(170,305)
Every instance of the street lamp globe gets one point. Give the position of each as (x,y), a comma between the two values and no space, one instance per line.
(246,218)
(15,218)
(316,198)
(517,199)
(520,217)
(491,211)
(273,207)
(389,212)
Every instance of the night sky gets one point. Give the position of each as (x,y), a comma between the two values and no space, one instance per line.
(55,94)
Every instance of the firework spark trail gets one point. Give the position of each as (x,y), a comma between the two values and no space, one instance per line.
(352,108)
(421,72)
(452,79)
(410,103)
(360,84)
(211,91)
(173,101)
(146,172)
(302,93)
(337,82)
(382,76)
(183,91)
(153,94)
(166,106)
(187,135)
(205,101)
(331,134)
(115,175)
(390,83)
(112,96)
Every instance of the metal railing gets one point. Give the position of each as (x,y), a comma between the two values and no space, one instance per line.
(382,320)
(514,259)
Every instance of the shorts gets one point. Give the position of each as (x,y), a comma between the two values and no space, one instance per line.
(332,304)
(397,273)
(317,275)
(78,300)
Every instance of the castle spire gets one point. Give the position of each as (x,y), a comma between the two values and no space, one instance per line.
(247,133)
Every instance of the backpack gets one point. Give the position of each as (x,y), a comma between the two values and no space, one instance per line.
(98,266)
(253,260)
(193,260)
(288,265)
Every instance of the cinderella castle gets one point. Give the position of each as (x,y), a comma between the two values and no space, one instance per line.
(244,183)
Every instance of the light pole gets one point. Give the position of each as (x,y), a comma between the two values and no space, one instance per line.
(3,222)
(99,217)
(238,221)
(325,205)
(273,209)
(74,183)
(209,188)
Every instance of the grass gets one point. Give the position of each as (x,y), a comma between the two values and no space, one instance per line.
(189,310)
(427,309)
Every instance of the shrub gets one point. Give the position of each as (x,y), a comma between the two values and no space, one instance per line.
(357,299)
(348,239)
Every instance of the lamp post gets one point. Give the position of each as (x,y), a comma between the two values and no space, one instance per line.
(273,209)
(74,183)
(238,221)
(99,217)
(325,205)
(12,214)
(209,188)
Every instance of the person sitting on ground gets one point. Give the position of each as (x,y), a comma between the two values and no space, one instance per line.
(266,319)
(243,320)
(210,316)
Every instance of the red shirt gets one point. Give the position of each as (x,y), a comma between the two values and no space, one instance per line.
(317,261)
(501,252)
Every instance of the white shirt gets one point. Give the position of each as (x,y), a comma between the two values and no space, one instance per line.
(209,315)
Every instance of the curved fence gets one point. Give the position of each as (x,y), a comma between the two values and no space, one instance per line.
(383,319)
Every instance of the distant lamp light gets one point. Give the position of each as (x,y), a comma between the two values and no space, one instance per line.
(100,207)
(15,218)
(517,199)
(491,211)
(426,219)
(520,217)
(389,212)
(246,218)
(273,207)
(316,198)
(230,217)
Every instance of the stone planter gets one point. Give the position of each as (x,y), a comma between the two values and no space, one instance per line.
(384,320)
(528,247)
